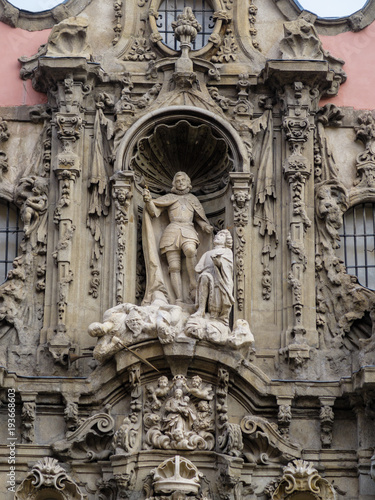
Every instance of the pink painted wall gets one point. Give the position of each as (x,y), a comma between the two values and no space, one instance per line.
(358,52)
(357,49)
(15,43)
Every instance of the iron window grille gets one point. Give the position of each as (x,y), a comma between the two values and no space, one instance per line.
(170,9)
(10,237)
(357,248)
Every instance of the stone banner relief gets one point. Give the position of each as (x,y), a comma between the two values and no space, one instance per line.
(187,252)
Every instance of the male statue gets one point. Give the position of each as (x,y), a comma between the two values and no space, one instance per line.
(180,236)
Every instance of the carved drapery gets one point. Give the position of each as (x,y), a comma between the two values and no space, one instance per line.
(265,197)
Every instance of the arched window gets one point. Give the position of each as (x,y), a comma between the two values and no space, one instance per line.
(357,247)
(170,9)
(10,237)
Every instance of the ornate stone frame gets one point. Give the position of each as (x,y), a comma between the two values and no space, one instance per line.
(36,21)
(356,22)
(154,6)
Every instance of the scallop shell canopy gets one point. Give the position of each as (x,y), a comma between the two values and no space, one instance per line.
(182,147)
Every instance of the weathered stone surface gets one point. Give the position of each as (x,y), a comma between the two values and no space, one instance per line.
(178,321)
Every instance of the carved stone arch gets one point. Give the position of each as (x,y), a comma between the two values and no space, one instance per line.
(218,31)
(219,131)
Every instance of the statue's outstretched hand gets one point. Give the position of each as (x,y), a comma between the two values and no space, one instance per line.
(207,228)
(146,196)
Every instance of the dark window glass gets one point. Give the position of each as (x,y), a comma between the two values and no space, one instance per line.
(10,237)
(357,248)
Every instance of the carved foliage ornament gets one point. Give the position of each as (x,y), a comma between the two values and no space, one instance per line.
(301,476)
(49,476)
(90,441)
(365,132)
(264,443)
(4,136)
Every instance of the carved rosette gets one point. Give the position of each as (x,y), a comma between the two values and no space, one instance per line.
(253,10)
(301,476)
(117,7)
(48,476)
(122,193)
(241,185)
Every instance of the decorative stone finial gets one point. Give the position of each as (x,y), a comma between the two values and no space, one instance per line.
(186,29)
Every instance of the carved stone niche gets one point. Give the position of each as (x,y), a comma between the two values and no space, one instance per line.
(195,142)
(186,147)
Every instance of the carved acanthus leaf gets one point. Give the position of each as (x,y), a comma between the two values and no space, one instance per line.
(48,474)
(228,50)
(90,441)
(301,476)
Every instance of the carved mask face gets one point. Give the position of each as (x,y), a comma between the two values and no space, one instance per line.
(134,323)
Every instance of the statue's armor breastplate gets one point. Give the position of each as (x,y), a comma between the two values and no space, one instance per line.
(181,211)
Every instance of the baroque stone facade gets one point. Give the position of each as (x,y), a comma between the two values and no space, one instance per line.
(179,321)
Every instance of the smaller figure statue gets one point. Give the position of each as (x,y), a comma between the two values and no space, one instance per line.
(215,281)
(198,391)
(159,393)
(34,205)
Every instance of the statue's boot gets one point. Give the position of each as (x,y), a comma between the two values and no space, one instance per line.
(177,285)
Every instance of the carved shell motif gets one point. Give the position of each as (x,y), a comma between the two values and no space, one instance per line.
(182,147)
